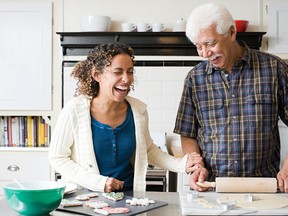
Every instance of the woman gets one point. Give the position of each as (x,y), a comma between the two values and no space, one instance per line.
(101,140)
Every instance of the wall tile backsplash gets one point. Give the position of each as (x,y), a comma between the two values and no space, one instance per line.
(160,88)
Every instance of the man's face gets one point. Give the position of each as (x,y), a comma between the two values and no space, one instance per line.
(217,48)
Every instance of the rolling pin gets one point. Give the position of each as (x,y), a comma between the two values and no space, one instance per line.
(242,184)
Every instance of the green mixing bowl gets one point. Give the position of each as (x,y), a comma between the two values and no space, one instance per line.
(38,197)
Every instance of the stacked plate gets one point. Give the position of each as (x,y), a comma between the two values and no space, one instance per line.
(70,188)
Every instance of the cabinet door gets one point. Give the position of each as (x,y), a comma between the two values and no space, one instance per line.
(283,130)
(183,182)
(25,57)
(277,26)
(24,165)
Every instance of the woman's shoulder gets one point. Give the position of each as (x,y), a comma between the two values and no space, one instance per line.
(77,102)
(135,103)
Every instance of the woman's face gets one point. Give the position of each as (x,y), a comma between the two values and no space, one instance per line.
(116,80)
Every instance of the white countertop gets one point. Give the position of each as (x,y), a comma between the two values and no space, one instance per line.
(192,207)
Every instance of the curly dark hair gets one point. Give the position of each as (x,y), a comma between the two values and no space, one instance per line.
(98,58)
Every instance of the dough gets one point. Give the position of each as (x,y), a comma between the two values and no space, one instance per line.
(204,203)
(116,210)
(114,196)
(261,201)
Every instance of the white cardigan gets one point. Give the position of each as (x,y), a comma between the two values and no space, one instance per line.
(71,150)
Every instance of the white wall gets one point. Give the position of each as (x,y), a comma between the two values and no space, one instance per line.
(160,88)
(150,11)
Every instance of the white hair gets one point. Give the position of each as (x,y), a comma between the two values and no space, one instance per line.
(207,15)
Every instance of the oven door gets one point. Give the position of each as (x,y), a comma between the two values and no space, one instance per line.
(156,183)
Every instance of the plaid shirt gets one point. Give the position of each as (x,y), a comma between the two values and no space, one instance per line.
(234,117)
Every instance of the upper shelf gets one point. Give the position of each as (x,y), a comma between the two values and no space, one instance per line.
(143,43)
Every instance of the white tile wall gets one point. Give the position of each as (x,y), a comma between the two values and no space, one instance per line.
(160,88)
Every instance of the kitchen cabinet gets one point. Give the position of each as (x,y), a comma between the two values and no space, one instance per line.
(183,182)
(277,26)
(25,57)
(26,86)
(283,130)
(21,164)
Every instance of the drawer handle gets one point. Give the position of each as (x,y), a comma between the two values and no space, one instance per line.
(13,168)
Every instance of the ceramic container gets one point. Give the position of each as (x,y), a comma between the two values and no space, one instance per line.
(241,25)
(95,23)
(179,25)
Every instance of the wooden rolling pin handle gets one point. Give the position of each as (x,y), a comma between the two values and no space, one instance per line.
(206,184)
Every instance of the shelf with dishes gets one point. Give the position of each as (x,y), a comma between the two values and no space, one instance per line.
(143,43)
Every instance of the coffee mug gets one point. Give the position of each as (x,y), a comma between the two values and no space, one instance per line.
(128,27)
(143,27)
(158,27)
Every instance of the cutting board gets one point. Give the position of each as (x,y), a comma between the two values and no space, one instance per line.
(134,210)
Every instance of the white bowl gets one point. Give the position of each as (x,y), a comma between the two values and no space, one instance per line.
(95,23)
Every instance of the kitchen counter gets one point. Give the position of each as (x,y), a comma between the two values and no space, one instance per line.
(172,209)
(199,206)
(178,203)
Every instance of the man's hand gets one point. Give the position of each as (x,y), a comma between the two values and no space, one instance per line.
(194,161)
(198,175)
(282,177)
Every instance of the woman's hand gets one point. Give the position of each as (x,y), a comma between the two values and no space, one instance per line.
(194,161)
(113,184)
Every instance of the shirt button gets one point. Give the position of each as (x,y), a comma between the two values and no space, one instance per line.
(235,162)
(234,117)
(233,96)
(235,139)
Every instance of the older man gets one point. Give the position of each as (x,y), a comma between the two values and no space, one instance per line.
(231,103)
